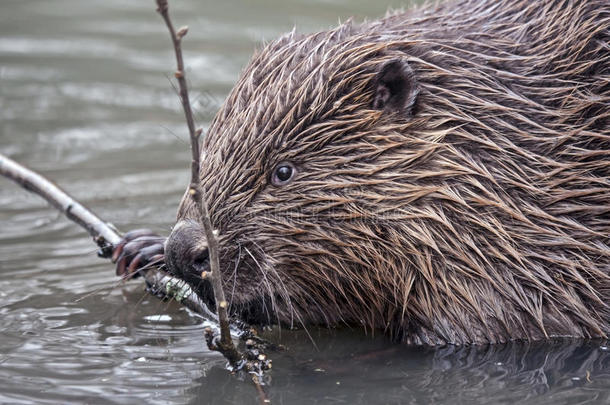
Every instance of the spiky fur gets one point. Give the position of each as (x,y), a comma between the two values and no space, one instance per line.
(484,217)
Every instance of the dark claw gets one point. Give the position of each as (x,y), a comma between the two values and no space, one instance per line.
(128,237)
(138,250)
(133,266)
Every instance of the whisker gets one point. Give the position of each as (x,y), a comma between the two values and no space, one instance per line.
(234,275)
(284,293)
(121,279)
(266,283)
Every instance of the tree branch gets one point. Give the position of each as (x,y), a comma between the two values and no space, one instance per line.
(104,234)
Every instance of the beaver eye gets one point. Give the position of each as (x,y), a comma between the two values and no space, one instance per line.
(283,173)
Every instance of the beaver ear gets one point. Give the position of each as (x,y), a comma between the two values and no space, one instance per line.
(395,87)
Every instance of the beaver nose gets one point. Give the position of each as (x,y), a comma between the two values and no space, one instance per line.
(186,252)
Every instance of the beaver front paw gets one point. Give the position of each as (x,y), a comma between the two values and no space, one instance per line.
(138,250)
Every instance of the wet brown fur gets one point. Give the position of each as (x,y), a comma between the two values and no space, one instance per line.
(483,217)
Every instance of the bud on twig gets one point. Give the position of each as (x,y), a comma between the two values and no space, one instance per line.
(182,32)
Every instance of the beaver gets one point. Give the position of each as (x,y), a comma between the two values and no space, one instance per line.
(441,174)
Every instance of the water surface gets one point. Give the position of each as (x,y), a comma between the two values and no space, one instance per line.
(85,100)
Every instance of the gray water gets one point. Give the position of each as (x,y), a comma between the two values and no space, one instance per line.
(85,100)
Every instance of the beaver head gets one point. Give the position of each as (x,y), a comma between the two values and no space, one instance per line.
(444,177)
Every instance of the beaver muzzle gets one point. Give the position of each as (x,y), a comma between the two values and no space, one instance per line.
(187,257)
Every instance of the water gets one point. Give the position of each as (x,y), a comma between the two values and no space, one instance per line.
(85,99)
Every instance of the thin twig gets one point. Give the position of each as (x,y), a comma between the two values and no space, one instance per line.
(225,346)
(262,396)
